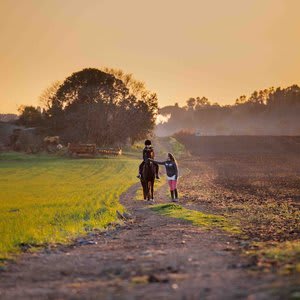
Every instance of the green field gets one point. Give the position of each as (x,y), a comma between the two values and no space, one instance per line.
(46,199)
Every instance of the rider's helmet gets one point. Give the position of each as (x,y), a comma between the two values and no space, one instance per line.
(147,143)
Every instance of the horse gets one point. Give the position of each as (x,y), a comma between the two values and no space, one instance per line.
(147,180)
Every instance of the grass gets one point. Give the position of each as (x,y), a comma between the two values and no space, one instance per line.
(197,218)
(177,148)
(162,145)
(284,255)
(46,199)
(169,144)
(282,251)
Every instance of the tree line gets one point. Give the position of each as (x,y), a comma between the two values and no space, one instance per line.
(273,111)
(106,107)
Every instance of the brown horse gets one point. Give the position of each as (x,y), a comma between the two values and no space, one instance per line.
(147,180)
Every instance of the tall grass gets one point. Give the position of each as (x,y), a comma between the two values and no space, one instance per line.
(45,199)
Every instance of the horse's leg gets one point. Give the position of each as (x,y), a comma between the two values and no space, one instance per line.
(152,190)
(152,181)
(145,193)
(144,190)
(149,190)
(142,187)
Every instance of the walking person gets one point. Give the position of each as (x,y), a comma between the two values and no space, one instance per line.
(172,174)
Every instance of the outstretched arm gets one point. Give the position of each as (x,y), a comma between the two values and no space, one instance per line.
(157,162)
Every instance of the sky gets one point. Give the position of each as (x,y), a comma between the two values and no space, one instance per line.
(180,49)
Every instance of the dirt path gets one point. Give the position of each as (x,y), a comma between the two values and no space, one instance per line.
(150,257)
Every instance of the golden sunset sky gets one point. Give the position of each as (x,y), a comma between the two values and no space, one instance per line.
(215,48)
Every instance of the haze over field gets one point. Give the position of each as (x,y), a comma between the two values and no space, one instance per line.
(220,49)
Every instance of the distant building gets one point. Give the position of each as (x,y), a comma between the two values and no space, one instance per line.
(8,117)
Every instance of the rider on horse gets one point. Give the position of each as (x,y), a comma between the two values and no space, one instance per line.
(148,152)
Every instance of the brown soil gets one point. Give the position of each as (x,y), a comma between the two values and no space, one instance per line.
(216,145)
(148,257)
(261,191)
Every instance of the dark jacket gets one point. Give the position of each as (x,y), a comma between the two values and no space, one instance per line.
(171,167)
(148,153)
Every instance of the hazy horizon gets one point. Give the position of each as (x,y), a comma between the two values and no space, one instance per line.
(220,49)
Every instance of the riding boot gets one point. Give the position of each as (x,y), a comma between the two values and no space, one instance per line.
(172,195)
(176,194)
(140,170)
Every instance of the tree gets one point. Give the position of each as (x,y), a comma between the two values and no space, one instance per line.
(241,100)
(95,106)
(145,104)
(190,103)
(268,111)
(202,102)
(47,97)
(137,88)
(30,116)
(90,86)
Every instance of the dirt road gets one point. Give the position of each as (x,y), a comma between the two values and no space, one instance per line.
(149,257)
